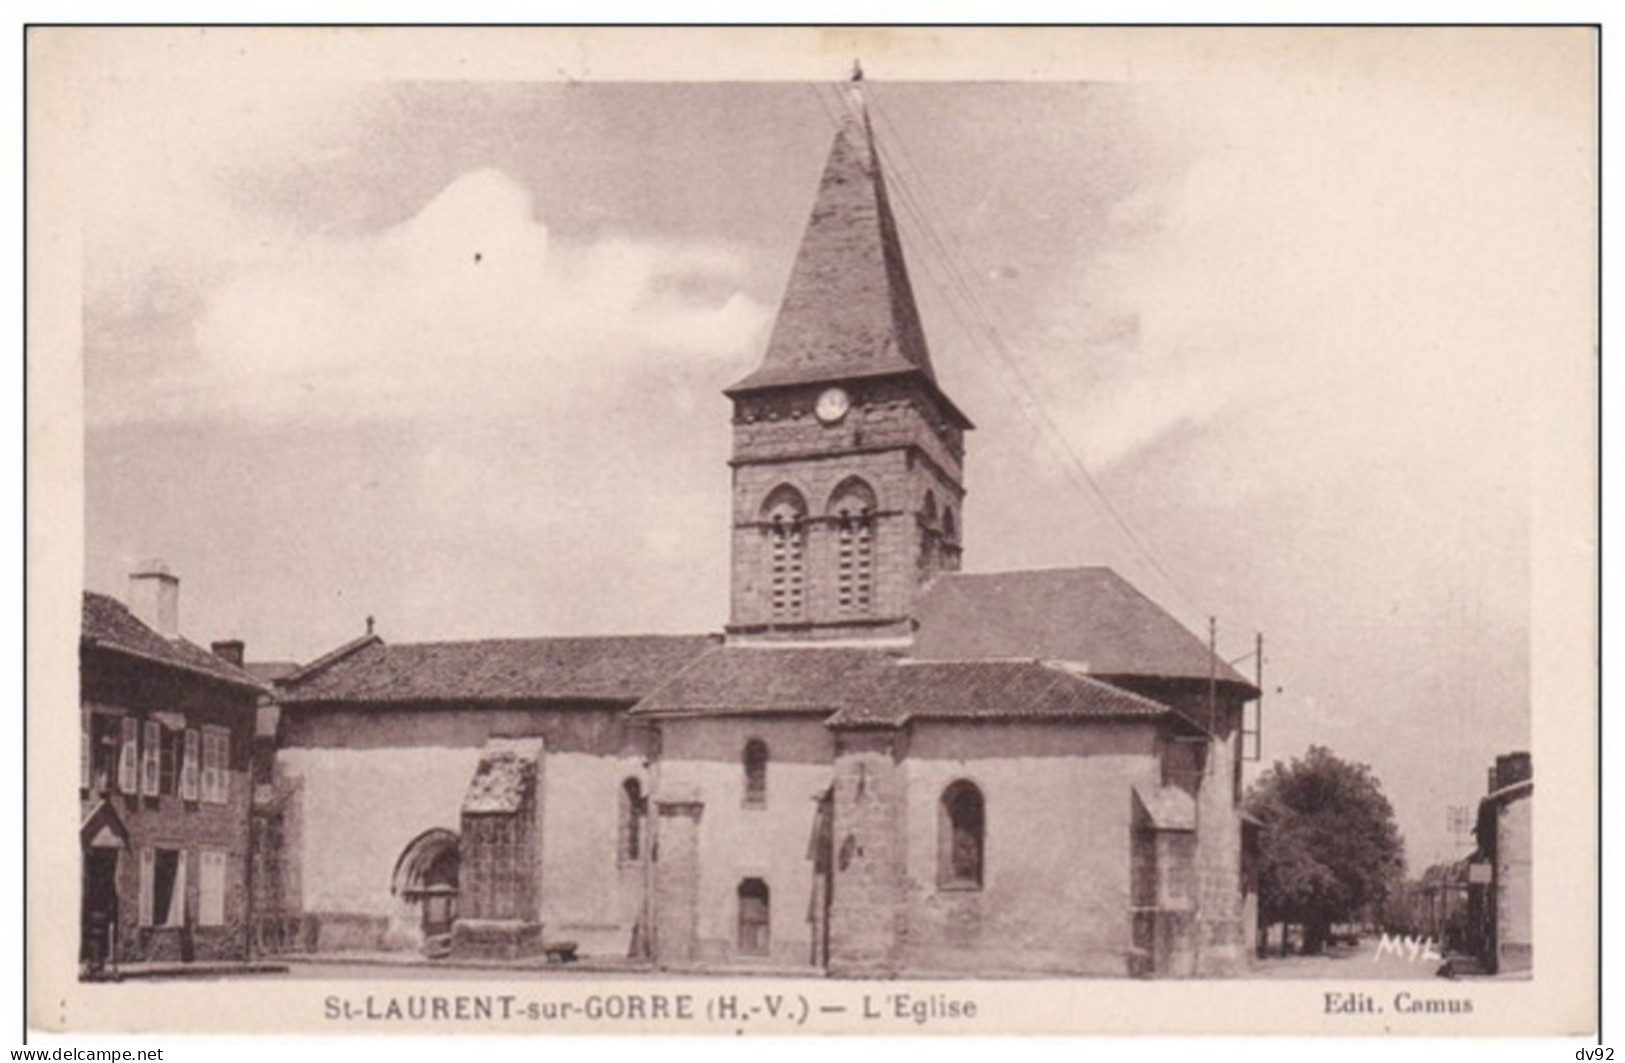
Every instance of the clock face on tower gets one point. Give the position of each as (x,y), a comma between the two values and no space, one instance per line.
(832,405)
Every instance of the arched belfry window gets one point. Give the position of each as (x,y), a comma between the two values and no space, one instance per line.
(634,807)
(927,559)
(852,510)
(784,518)
(961,836)
(755,773)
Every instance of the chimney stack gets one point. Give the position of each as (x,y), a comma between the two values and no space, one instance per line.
(230,650)
(1511,768)
(155,598)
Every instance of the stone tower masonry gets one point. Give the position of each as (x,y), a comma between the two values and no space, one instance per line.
(848,459)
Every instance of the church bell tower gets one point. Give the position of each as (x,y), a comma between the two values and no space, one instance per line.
(848,459)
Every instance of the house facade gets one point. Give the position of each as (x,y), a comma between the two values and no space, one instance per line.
(883,765)
(1500,899)
(166,730)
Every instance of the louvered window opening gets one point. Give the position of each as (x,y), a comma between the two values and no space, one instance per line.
(789,569)
(854,585)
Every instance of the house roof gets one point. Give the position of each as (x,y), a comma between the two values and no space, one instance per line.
(106,623)
(856,687)
(989,690)
(848,310)
(607,668)
(1089,616)
(767,679)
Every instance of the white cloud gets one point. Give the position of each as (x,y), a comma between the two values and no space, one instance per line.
(470,305)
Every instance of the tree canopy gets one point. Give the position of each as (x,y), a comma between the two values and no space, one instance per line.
(1329,849)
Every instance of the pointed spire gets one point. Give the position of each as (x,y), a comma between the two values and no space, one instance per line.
(848,310)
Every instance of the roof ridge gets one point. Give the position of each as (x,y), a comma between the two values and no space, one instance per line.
(328,659)
(548,638)
(1034,571)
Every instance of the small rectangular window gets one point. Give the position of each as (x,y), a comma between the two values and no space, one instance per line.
(191,764)
(171,751)
(129,755)
(216,746)
(105,748)
(151,735)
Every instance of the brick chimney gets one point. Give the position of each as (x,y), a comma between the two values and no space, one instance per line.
(1511,768)
(230,650)
(155,597)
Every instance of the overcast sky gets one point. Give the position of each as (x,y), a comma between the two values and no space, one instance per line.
(450,353)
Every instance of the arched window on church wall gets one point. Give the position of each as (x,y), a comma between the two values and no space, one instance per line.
(784,519)
(852,510)
(632,811)
(961,835)
(755,773)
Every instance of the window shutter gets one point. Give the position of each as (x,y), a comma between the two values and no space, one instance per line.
(177,899)
(211,887)
(84,750)
(189,766)
(127,763)
(144,916)
(151,734)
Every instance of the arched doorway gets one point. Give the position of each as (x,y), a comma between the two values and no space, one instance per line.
(425,883)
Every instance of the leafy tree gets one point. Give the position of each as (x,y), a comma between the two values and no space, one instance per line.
(1329,848)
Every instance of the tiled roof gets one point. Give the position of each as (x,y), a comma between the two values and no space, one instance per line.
(1090,616)
(988,690)
(609,668)
(848,310)
(875,687)
(757,679)
(108,624)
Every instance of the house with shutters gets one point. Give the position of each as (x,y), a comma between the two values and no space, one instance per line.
(165,731)
(882,765)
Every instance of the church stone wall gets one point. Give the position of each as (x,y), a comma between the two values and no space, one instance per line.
(867,914)
(359,787)
(889,441)
(883,414)
(1056,889)
(590,895)
(359,810)
(702,765)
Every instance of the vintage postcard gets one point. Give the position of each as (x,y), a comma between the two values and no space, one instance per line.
(887,531)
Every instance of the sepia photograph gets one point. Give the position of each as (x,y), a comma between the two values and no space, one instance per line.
(825,531)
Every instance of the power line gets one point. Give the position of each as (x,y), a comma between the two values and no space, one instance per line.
(923,207)
(943,268)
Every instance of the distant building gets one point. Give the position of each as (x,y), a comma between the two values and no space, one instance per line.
(1500,901)
(883,765)
(165,734)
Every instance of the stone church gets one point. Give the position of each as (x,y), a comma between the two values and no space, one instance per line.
(882,766)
